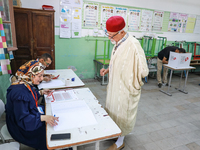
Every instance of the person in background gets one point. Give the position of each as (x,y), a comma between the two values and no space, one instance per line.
(46,61)
(163,57)
(126,69)
(25,119)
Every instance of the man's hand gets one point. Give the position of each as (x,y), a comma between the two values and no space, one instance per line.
(104,71)
(47,78)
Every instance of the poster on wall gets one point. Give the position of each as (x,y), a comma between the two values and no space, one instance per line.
(90,15)
(182,21)
(76,22)
(106,12)
(65,10)
(65,26)
(190,23)
(146,20)
(157,20)
(173,22)
(121,11)
(70,16)
(197,25)
(134,19)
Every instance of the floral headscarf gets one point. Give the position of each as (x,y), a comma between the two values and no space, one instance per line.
(26,72)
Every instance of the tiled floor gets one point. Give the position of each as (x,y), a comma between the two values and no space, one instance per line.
(163,122)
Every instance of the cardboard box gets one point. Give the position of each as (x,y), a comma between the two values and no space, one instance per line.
(179,60)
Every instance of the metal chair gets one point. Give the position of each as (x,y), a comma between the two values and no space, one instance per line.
(152,65)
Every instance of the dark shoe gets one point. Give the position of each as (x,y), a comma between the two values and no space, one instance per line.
(159,85)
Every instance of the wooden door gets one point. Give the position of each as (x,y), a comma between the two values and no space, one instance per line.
(43,34)
(23,27)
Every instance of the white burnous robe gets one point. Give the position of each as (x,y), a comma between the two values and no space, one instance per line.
(126,69)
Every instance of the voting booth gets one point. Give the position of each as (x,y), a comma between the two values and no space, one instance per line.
(179,60)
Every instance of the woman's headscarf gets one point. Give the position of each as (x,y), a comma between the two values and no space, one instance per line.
(26,72)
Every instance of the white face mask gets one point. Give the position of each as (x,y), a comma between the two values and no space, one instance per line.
(113,41)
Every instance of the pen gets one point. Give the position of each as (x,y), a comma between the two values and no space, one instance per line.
(54,116)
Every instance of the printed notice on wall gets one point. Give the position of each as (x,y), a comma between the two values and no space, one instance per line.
(65,21)
(173,22)
(90,15)
(190,23)
(76,22)
(146,20)
(197,25)
(182,21)
(70,16)
(65,26)
(157,20)
(120,11)
(134,19)
(106,12)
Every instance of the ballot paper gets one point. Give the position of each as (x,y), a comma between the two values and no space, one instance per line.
(52,83)
(72,114)
(60,95)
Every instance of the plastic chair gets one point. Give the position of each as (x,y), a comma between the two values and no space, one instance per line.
(4,134)
(10,146)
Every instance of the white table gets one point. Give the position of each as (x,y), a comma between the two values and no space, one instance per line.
(105,129)
(64,74)
(180,88)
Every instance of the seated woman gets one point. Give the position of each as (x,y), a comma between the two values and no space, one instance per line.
(24,117)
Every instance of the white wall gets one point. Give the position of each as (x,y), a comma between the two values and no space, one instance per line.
(182,6)
(37,4)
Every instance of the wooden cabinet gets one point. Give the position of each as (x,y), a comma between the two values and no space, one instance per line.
(34,35)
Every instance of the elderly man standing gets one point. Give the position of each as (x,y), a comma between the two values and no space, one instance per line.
(126,69)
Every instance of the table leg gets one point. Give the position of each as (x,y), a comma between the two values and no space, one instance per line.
(97,145)
(180,79)
(170,78)
(185,84)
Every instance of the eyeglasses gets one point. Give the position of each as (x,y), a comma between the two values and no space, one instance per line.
(106,33)
(47,63)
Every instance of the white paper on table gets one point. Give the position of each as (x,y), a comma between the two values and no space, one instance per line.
(72,114)
(50,84)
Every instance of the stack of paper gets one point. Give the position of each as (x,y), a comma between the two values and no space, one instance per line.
(72,114)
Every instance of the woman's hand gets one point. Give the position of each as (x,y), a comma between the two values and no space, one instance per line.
(51,120)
